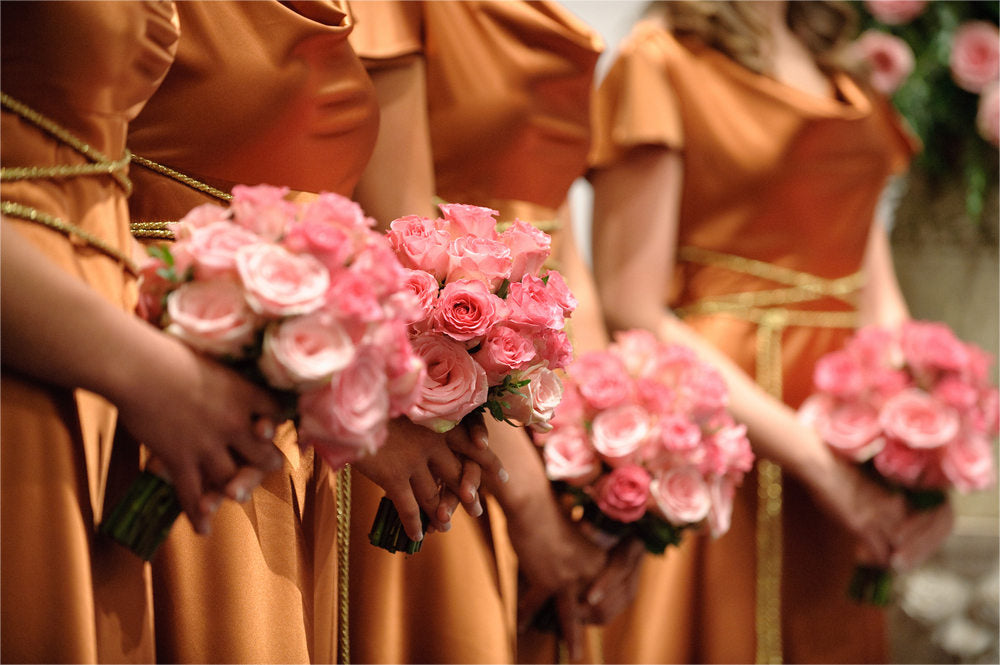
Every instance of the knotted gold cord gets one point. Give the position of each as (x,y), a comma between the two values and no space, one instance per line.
(343,563)
(762,308)
(161,230)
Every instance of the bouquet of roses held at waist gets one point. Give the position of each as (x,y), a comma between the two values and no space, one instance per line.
(915,407)
(306,299)
(643,442)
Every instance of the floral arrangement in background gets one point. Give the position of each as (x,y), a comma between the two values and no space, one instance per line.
(940,63)
(643,445)
(914,407)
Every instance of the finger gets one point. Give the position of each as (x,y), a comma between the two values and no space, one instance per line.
(243,483)
(446,507)
(530,600)
(428,495)
(569,623)
(217,468)
(921,536)
(408,510)
(472,476)
(256,447)
(478,433)
(187,485)
(464,444)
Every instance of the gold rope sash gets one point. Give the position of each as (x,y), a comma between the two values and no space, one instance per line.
(160,230)
(766,308)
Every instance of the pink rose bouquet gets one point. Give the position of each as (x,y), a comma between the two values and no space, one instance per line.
(643,446)
(306,299)
(916,409)
(489,326)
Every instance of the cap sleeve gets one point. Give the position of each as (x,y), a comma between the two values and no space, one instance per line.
(904,143)
(635,103)
(387,30)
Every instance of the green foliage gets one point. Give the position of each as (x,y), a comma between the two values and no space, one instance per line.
(941,114)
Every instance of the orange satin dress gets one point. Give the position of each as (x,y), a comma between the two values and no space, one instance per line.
(791,180)
(508,87)
(261,92)
(69,595)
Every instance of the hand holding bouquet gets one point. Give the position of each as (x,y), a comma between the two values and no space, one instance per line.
(642,444)
(490,327)
(305,299)
(916,409)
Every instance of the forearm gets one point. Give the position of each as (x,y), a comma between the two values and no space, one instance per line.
(587,323)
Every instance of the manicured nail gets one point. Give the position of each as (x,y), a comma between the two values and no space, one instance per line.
(477,509)
(503,475)
(213,504)
(241,495)
(595,596)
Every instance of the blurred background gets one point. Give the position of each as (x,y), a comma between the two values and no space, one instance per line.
(931,58)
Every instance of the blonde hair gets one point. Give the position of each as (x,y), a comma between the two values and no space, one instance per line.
(736,29)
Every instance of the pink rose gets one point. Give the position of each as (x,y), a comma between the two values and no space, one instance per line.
(466,310)
(967,463)
(529,249)
(560,292)
(623,494)
(889,58)
(536,402)
(618,433)
(985,419)
(956,393)
(678,433)
(279,283)
(988,114)
(637,348)
(262,209)
(553,347)
(902,464)
(213,248)
(503,350)
(671,364)
(919,420)
(570,412)
(352,296)
(404,369)
(420,243)
(721,490)
(681,495)
(335,210)
(569,457)
(839,374)
(454,385)
(466,220)
(895,12)
(875,347)
(975,55)
(329,243)
(212,316)
(425,289)
(346,418)
(532,304)
(728,452)
(198,217)
(154,285)
(602,379)
(852,429)
(931,346)
(703,391)
(480,259)
(655,397)
(377,263)
(303,352)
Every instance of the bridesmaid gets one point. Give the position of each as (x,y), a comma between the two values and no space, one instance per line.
(736,173)
(76,362)
(483,103)
(270,92)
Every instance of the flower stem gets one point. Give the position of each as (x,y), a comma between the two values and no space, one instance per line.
(142,519)
(387,531)
(871,585)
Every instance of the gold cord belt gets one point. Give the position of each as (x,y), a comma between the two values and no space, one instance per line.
(766,309)
(160,230)
(100,165)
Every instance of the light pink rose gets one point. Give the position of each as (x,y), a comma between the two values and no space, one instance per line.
(655,397)
(703,391)
(852,429)
(682,495)
(425,289)
(618,433)
(975,55)
(624,493)
(678,433)
(553,347)
(503,350)
(602,380)
(333,209)
(347,418)
(956,393)
(902,464)
(303,352)
(534,405)
(212,316)
(421,243)
(466,310)
(671,364)
(263,210)
(200,216)
(279,283)
(376,263)
(352,296)
(884,382)
(721,490)
(889,58)
(532,304)
(213,248)
(931,346)
(895,12)
(480,259)
(988,114)
(471,220)
(637,348)
(569,457)
(967,463)
(331,244)
(875,347)
(560,292)
(529,249)
(839,374)
(154,283)
(919,420)
(986,418)
(570,412)
(728,452)
(454,385)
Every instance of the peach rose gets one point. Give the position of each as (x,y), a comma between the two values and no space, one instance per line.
(975,55)
(212,316)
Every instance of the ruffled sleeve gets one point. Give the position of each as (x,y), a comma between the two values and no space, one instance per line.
(386,31)
(635,103)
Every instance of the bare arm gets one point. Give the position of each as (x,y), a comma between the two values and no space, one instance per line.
(586,326)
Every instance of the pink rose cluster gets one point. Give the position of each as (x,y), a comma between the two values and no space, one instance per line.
(490,322)
(916,404)
(306,298)
(644,441)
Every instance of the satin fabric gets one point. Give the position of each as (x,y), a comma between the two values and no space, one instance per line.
(508,86)
(69,595)
(261,93)
(774,174)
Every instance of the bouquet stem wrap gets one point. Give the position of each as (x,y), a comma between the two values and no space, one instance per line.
(141,521)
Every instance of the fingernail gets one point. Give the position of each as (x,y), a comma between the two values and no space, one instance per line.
(205,526)
(214,503)
(446,526)
(477,509)
(420,536)
(595,596)
(241,495)
(503,475)
(483,442)
(275,463)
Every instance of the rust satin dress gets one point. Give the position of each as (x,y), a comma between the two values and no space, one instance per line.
(792,180)
(261,92)
(67,594)
(508,87)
